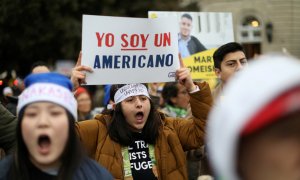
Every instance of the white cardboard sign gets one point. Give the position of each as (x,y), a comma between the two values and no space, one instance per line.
(129,50)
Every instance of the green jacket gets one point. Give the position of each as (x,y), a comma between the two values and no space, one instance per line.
(176,136)
(8,124)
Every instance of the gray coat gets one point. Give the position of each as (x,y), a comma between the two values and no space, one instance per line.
(8,123)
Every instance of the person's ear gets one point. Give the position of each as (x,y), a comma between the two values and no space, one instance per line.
(218,72)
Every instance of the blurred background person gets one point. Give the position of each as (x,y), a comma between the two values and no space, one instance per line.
(254,132)
(7,131)
(177,104)
(106,95)
(84,104)
(39,67)
(10,101)
(18,86)
(155,90)
(7,91)
(176,100)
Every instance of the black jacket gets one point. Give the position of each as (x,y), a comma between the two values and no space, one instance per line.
(195,46)
(88,170)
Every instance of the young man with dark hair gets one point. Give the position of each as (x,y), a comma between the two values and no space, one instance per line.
(228,59)
(187,43)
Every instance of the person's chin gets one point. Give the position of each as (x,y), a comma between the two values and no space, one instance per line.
(185,34)
(138,127)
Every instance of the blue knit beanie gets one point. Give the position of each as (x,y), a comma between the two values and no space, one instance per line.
(50,87)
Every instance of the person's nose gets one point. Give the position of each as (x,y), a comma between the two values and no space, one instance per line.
(138,103)
(240,66)
(43,120)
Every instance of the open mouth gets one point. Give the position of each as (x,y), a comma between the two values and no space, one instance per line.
(139,115)
(44,143)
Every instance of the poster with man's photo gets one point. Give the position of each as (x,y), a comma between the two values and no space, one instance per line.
(199,35)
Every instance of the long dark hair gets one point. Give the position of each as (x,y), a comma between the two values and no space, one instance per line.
(119,130)
(71,157)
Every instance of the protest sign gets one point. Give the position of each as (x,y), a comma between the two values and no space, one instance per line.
(199,34)
(129,50)
(201,65)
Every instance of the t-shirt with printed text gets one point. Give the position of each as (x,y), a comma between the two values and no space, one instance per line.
(140,161)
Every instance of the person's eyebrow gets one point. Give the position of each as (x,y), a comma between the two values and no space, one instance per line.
(231,60)
(32,107)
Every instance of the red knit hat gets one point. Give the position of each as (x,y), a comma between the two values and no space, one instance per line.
(79,91)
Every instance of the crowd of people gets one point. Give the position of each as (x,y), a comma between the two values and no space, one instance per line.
(244,129)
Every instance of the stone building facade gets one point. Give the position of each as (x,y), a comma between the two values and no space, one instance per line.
(261,25)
